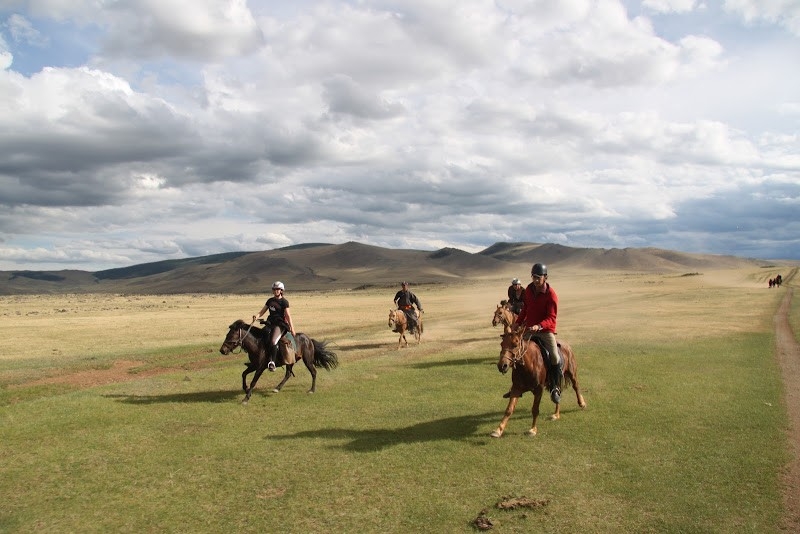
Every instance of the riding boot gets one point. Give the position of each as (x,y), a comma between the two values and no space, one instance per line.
(271,356)
(556,375)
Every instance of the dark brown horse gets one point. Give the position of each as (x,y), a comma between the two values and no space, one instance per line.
(503,315)
(398,322)
(313,353)
(529,373)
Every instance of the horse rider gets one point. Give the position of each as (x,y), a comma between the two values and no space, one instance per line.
(406,300)
(538,315)
(516,294)
(278,322)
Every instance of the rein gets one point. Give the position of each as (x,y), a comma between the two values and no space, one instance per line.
(241,339)
(517,355)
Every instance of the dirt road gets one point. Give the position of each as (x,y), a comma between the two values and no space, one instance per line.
(788,351)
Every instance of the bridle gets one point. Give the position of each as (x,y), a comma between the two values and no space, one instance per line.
(498,316)
(515,355)
(238,342)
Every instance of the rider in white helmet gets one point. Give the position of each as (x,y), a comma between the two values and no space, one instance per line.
(516,295)
(278,322)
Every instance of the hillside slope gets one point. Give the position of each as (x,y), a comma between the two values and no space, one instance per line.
(351,266)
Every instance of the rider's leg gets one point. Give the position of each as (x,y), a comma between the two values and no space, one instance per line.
(272,350)
(411,319)
(556,366)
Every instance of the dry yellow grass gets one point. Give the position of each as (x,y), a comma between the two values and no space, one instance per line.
(594,306)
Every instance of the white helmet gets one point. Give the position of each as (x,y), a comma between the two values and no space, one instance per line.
(516,282)
(278,285)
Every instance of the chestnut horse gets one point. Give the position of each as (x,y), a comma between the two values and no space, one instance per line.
(313,353)
(529,373)
(503,315)
(398,322)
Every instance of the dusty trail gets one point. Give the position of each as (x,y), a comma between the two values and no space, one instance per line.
(788,351)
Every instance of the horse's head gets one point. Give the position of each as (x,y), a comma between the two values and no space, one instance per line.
(498,315)
(392,319)
(511,350)
(236,333)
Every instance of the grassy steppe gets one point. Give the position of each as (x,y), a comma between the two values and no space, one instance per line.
(119,414)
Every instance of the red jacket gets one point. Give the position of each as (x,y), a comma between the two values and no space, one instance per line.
(539,308)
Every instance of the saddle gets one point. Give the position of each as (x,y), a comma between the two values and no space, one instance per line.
(288,348)
(545,353)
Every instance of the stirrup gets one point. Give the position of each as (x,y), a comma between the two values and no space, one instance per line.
(271,366)
(555,395)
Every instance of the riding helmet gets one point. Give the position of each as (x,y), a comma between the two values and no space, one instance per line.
(278,285)
(516,282)
(539,269)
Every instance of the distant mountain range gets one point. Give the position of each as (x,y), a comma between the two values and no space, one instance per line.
(320,266)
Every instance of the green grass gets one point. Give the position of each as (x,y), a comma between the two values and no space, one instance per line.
(677,437)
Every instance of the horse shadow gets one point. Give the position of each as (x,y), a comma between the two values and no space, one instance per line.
(479,360)
(197,396)
(361,346)
(373,440)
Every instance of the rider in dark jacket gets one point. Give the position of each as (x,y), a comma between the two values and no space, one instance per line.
(406,300)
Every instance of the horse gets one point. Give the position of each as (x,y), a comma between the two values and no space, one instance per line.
(398,322)
(503,315)
(313,353)
(529,373)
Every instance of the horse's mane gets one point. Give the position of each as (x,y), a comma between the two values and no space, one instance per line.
(247,326)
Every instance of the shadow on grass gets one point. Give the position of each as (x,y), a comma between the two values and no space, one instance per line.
(448,429)
(197,396)
(480,360)
(362,346)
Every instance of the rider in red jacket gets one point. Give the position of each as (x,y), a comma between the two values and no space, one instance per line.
(538,315)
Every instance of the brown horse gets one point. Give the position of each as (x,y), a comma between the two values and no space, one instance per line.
(313,353)
(503,315)
(398,322)
(529,373)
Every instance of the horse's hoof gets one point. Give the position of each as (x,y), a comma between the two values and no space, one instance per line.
(532,433)
(555,417)
(276,390)
(310,391)
(496,434)
(244,402)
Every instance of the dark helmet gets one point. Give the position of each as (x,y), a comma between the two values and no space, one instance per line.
(539,269)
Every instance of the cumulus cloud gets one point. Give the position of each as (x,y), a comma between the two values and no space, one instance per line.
(241,126)
(783,12)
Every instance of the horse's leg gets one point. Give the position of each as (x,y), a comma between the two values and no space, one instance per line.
(572,374)
(308,359)
(512,403)
(285,378)
(537,398)
(557,414)
(259,371)
(249,369)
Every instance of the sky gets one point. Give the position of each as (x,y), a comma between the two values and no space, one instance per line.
(134,131)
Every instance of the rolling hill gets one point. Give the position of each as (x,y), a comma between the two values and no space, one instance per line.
(320,266)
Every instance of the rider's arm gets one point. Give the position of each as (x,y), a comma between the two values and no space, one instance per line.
(262,312)
(289,321)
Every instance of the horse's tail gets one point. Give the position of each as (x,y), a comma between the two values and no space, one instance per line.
(323,356)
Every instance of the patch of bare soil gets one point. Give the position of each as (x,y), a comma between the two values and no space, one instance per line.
(120,371)
(789,358)
(484,522)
